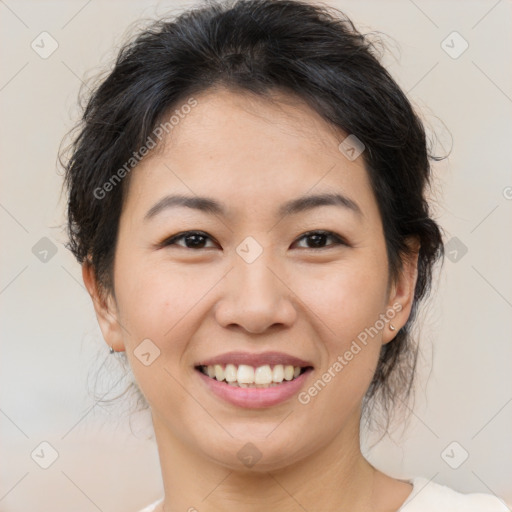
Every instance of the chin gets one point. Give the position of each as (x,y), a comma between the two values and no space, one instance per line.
(258,455)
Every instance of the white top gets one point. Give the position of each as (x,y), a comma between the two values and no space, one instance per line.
(428,496)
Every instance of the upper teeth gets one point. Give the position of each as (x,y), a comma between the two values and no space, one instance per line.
(244,374)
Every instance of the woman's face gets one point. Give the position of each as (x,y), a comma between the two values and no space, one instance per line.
(251,282)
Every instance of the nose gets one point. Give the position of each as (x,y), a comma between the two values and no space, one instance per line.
(256,297)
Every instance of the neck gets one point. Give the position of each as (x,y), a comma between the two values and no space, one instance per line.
(336,477)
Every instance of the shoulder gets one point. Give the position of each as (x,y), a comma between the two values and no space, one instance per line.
(427,496)
(152,507)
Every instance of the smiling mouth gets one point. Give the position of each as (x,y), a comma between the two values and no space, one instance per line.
(246,376)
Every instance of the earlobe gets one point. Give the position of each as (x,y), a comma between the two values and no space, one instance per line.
(104,306)
(402,291)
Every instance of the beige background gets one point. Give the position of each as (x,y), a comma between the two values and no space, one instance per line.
(51,347)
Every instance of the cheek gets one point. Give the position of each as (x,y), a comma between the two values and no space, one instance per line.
(155,305)
(347,298)
(347,304)
(153,298)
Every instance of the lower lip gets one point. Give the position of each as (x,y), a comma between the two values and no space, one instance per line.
(255,398)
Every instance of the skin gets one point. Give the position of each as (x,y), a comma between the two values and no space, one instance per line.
(252,154)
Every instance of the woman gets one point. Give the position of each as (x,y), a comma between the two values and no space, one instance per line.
(246,198)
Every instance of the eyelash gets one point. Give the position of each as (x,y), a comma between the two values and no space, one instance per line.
(172,240)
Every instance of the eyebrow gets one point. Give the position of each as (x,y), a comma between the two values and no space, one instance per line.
(292,207)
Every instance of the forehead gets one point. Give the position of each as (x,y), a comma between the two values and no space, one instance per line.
(247,151)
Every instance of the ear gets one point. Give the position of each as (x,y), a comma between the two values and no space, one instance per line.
(401,295)
(105,307)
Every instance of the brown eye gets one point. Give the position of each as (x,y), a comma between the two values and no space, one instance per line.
(317,239)
(191,239)
(198,240)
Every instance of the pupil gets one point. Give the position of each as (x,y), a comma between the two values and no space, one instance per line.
(317,239)
(198,242)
